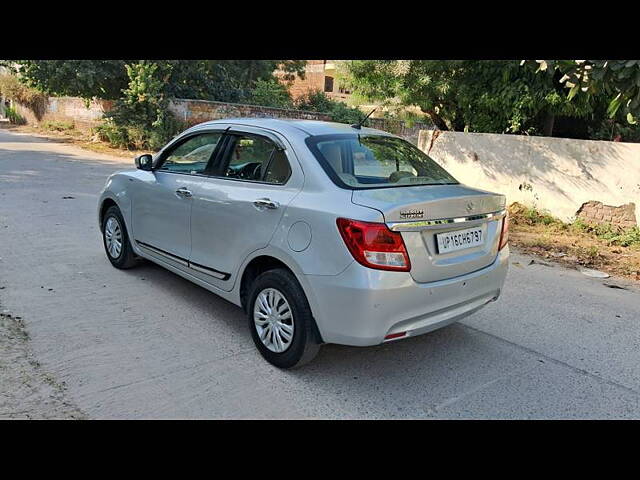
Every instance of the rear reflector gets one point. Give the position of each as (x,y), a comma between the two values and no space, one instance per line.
(395,335)
(504,234)
(374,245)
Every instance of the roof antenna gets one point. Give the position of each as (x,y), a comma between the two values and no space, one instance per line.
(361,122)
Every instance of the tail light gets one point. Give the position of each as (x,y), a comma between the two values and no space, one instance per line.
(504,234)
(374,245)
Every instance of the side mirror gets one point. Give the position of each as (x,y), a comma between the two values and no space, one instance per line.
(144,162)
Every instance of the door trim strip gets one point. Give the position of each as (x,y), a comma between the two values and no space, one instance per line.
(209,271)
(158,251)
(186,263)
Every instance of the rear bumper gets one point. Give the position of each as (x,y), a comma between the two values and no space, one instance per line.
(361,306)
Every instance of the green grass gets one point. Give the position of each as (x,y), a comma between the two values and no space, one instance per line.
(613,235)
(14,117)
(533,216)
(58,126)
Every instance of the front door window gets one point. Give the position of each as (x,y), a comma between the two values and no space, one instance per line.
(193,155)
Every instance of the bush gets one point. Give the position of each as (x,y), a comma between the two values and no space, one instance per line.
(14,117)
(315,101)
(133,136)
(614,235)
(628,238)
(343,113)
(579,225)
(338,111)
(609,129)
(270,93)
(11,87)
(523,215)
(407,117)
(57,126)
(116,135)
(140,119)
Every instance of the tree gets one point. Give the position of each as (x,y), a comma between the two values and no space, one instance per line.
(619,80)
(140,118)
(75,78)
(11,87)
(470,95)
(222,80)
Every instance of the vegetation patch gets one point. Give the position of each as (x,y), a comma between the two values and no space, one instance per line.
(596,99)
(613,235)
(338,111)
(58,126)
(605,247)
(11,87)
(14,117)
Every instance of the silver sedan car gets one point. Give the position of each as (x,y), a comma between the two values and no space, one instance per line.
(322,232)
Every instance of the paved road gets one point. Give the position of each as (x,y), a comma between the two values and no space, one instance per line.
(145,343)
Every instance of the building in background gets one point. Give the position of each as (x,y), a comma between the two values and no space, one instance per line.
(320,75)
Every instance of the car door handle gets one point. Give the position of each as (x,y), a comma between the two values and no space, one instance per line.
(183,193)
(266,203)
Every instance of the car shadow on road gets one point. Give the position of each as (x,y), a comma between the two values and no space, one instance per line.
(196,296)
(435,353)
(18,137)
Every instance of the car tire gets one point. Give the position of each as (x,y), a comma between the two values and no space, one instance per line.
(300,347)
(116,240)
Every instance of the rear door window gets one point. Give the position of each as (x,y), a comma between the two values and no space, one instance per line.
(256,158)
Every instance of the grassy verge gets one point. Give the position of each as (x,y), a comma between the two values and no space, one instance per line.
(67,132)
(603,247)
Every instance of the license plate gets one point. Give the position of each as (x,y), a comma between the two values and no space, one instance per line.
(459,239)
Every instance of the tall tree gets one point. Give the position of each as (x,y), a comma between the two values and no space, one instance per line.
(471,95)
(222,80)
(75,78)
(619,80)
(140,118)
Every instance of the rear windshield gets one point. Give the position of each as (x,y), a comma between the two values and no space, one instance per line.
(373,161)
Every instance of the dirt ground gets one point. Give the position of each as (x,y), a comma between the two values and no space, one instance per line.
(27,391)
(79,138)
(573,248)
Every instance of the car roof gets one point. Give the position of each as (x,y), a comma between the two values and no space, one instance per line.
(295,126)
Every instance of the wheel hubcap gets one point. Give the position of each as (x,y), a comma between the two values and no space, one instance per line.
(113,237)
(273,320)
